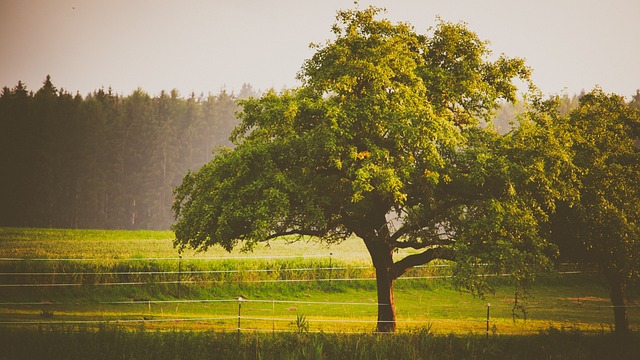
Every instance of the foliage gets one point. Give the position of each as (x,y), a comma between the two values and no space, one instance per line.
(302,324)
(603,227)
(382,141)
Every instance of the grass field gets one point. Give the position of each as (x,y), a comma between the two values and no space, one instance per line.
(117,244)
(138,280)
(107,343)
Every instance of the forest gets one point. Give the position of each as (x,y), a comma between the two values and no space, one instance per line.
(103,160)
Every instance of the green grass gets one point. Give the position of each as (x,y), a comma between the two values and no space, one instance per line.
(570,302)
(120,244)
(110,343)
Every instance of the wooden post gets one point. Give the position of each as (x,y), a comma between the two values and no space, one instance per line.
(330,270)
(179,273)
(239,309)
(488,318)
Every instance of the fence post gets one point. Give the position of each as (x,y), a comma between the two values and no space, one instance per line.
(179,273)
(488,318)
(239,310)
(330,270)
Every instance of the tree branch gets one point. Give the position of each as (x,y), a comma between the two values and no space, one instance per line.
(404,230)
(414,244)
(295,232)
(402,266)
(304,232)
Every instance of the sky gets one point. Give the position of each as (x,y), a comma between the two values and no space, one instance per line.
(205,46)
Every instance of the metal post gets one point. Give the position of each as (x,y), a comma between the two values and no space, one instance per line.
(488,317)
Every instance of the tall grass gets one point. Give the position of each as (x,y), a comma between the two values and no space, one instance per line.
(108,343)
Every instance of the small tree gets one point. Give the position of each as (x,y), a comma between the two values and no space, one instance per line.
(602,229)
(382,141)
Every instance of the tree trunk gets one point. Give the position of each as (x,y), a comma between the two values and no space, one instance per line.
(382,257)
(619,307)
(386,301)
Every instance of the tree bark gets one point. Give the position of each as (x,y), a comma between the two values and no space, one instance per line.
(382,258)
(619,307)
(386,301)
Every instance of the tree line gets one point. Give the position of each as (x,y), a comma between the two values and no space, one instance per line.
(111,161)
(104,160)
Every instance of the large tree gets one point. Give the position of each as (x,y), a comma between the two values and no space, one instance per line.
(602,229)
(382,140)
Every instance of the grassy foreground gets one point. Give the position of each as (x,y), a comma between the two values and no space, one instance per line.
(108,343)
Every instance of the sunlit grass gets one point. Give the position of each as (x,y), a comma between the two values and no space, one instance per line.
(573,301)
(440,308)
(120,244)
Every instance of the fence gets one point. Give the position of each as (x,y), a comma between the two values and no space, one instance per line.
(252,314)
(91,277)
(245,323)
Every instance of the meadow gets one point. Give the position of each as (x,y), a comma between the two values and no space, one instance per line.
(125,285)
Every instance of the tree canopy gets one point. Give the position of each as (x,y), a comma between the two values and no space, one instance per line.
(383,140)
(602,228)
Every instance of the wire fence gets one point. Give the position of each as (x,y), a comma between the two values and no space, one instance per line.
(36,313)
(240,322)
(173,258)
(192,282)
(252,319)
(188,276)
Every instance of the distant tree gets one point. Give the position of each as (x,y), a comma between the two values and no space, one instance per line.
(222,110)
(17,145)
(382,141)
(507,115)
(602,229)
(506,118)
(569,103)
(247,92)
(635,101)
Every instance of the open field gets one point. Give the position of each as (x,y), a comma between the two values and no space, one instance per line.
(137,280)
(116,244)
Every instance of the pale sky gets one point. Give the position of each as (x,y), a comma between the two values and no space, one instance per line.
(204,46)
